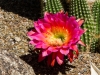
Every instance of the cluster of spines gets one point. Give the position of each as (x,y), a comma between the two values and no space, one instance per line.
(96,15)
(52,6)
(80,9)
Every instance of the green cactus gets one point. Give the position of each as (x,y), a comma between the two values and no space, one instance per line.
(95,45)
(96,15)
(80,9)
(52,6)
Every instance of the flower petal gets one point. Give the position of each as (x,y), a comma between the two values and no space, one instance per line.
(46,13)
(80,22)
(80,42)
(30,32)
(46,53)
(44,46)
(37,27)
(70,55)
(48,18)
(64,51)
(37,36)
(75,48)
(34,42)
(52,49)
(38,46)
(59,58)
(53,57)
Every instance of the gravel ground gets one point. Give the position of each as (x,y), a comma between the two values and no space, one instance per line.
(80,66)
(16,18)
(13,29)
(14,24)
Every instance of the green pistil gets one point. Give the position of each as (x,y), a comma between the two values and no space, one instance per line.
(60,36)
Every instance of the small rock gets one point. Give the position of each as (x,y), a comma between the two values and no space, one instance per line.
(79,73)
(84,69)
(17,39)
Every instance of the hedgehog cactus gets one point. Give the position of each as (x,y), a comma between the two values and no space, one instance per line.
(80,9)
(96,15)
(52,6)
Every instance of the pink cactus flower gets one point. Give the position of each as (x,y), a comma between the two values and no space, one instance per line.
(57,35)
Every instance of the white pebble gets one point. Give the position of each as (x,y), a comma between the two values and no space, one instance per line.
(17,39)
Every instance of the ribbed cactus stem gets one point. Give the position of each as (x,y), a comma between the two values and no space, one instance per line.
(96,15)
(80,9)
(53,6)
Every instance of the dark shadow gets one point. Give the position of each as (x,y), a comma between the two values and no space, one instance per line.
(30,9)
(95,46)
(42,68)
(31,28)
(66,4)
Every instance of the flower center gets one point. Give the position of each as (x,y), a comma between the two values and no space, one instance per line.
(60,36)
(57,36)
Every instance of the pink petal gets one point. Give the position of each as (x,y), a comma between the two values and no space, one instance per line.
(45,53)
(53,59)
(81,31)
(75,48)
(59,58)
(63,51)
(70,56)
(38,46)
(72,18)
(61,11)
(52,49)
(39,26)
(80,42)
(36,26)
(30,32)
(33,42)
(48,18)
(46,25)
(44,46)
(37,36)
(61,23)
(80,22)
(46,13)
(38,29)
